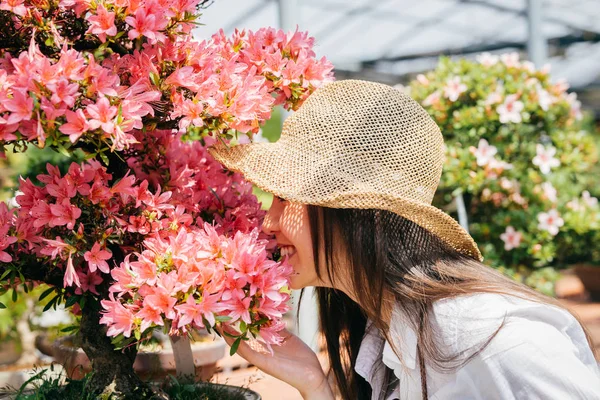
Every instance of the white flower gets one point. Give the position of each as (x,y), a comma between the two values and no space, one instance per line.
(511,238)
(544,98)
(561,86)
(588,199)
(487,59)
(510,110)
(484,152)
(575,205)
(528,66)
(549,192)
(550,221)
(432,99)
(545,158)
(495,167)
(454,87)
(496,96)
(575,106)
(422,79)
(402,88)
(511,59)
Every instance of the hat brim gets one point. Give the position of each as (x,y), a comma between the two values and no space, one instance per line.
(256,162)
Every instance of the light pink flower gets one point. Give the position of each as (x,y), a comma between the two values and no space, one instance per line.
(575,104)
(118,318)
(20,106)
(101,115)
(588,199)
(102,23)
(453,89)
(510,110)
(97,257)
(511,60)
(76,125)
(484,152)
(15,6)
(487,59)
(549,192)
(550,221)
(88,282)
(511,238)
(71,278)
(545,158)
(433,99)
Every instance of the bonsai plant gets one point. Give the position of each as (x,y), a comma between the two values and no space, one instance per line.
(148,231)
(520,155)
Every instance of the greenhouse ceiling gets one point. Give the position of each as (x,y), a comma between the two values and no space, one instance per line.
(396,37)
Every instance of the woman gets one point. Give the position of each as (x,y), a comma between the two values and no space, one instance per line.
(406,306)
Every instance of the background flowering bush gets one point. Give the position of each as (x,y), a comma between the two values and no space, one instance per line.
(521,155)
(144,229)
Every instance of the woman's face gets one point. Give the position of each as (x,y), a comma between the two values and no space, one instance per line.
(289,223)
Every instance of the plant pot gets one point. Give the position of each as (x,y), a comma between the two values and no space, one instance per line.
(10,351)
(153,365)
(247,393)
(590,277)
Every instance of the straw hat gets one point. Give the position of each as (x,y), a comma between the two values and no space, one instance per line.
(355,144)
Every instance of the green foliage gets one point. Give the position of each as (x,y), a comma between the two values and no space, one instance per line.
(510,190)
(45,386)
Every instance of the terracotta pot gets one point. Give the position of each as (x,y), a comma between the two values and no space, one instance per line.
(590,277)
(10,351)
(148,365)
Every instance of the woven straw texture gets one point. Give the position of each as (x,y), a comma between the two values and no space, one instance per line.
(355,144)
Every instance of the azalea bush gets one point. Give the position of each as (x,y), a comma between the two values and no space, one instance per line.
(519,152)
(143,229)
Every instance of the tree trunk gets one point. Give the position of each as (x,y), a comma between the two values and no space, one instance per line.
(112,370)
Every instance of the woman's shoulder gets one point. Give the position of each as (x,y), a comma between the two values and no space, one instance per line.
(464,322)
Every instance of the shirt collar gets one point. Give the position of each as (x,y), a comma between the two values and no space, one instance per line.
(403,338)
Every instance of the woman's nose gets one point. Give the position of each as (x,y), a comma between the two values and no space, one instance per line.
(271,222)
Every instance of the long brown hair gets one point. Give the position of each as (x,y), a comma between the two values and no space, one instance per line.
(388,261)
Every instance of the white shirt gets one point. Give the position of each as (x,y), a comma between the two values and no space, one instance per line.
(540,353)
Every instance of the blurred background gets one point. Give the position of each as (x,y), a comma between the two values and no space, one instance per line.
(537,221)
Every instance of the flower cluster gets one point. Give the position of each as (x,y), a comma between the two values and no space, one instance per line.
(515,141)
(142,70)
(194,278)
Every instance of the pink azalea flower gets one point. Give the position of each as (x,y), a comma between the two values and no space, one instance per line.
(88,282)
(97,257)
(545,99)
(101,115)
(118,318)
(545,158)
(145,24)
(64,213)
(149,316)
(71,278)
(510,110)
(6,241)
(15,6)
(102,24)
(161,300)
(484,152)
(20,106)
(76,125)
(511,238)
(54,248)
(63,92)
(192,311)
(7,131)
(453,89)
(550,222)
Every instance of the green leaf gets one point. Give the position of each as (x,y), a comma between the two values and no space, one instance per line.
(243,327)
(222,318)
(2,306)
(45,294)
(71,300)
(14,295)
(8,271)
(70,328)
(235,346)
